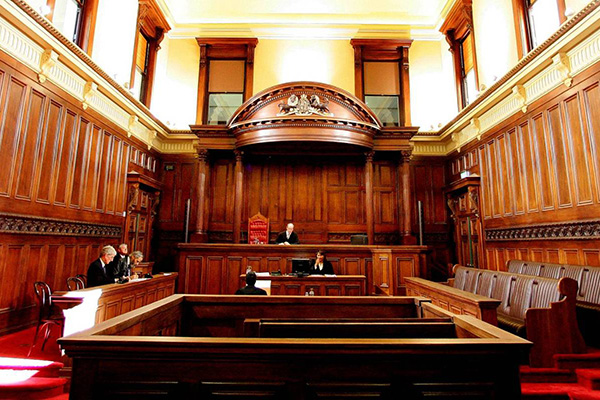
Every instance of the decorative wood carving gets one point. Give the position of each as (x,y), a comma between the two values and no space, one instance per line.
(10,223)
(558,231)
(280,113)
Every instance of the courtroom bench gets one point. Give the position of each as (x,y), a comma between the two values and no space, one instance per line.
(588,294)
(541,309)
(160,349)
(85,307)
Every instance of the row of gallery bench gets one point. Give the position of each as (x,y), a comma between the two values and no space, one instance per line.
(546,303)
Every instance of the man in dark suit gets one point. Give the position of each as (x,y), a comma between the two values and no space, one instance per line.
(320,266)
(288,236)
(98,272)
(119,267)
(250,289)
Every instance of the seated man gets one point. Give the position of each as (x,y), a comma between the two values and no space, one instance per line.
(320,266)
(135,258)
(288,236)
(119,267)
(98,273)
(250,289)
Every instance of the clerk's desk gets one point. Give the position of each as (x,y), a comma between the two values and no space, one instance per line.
(85,307)
(291,285)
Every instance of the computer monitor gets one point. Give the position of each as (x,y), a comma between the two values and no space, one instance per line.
(300,265)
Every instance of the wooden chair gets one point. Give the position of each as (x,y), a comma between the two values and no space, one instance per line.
(75,283)
(45,320)
(83,279)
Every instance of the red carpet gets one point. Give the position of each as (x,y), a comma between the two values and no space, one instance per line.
(575,377)
(34,377)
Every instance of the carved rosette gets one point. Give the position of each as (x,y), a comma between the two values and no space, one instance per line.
(10,223)
(562,231)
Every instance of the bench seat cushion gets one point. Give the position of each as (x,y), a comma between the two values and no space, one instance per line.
(512,325)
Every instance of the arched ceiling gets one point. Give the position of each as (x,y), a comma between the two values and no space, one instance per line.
(328,17)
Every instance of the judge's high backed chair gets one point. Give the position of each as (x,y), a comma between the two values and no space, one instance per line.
(45,320)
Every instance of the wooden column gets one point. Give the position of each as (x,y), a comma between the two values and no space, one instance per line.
(405,87)
(200,228)
(202,83)
(237,208)
(369,195)
(406,235)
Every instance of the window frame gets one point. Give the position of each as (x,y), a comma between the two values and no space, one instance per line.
(522,24)
(457,26)
(215,49)
(85,25)
(152,24)
(384,50)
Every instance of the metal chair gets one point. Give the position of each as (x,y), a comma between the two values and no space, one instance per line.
(83,279)
(75,283)
(45,320)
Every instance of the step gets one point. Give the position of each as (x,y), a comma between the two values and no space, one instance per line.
(546,391)
(44,368)
(588,395)
(33,389)
(546,375)
(589,378)
(577,361)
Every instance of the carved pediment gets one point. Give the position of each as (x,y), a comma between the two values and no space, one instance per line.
(304,111)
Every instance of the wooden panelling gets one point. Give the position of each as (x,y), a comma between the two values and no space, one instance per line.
(59,162)
(541,169)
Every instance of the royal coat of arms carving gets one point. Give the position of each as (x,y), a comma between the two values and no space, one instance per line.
(303,106)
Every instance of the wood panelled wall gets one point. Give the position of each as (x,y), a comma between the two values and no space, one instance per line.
(62,188)
(324,198)
(540,178)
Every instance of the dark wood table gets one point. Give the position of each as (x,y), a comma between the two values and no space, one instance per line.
(339,285)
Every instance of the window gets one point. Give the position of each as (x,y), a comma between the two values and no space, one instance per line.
(225,79)
(66,17)
(382,90)
(468,81)
(381,69)
(458,31)
(536,21)
(225,89)
(75,19)
(152,28)
(140,80)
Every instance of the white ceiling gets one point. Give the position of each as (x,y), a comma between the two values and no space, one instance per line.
(195,17)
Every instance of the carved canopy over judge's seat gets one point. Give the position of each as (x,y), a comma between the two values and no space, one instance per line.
(304,111)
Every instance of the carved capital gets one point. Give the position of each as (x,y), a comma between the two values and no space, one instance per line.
(202,154)
(238,155)
(47,61)
(405,156)
(369,156)
(563,65)
(89,90)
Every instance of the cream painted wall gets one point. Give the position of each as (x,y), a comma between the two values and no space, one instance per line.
(576,5)
(114,37)
(175,91)
(432,89)
(495,40)
(283,60)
